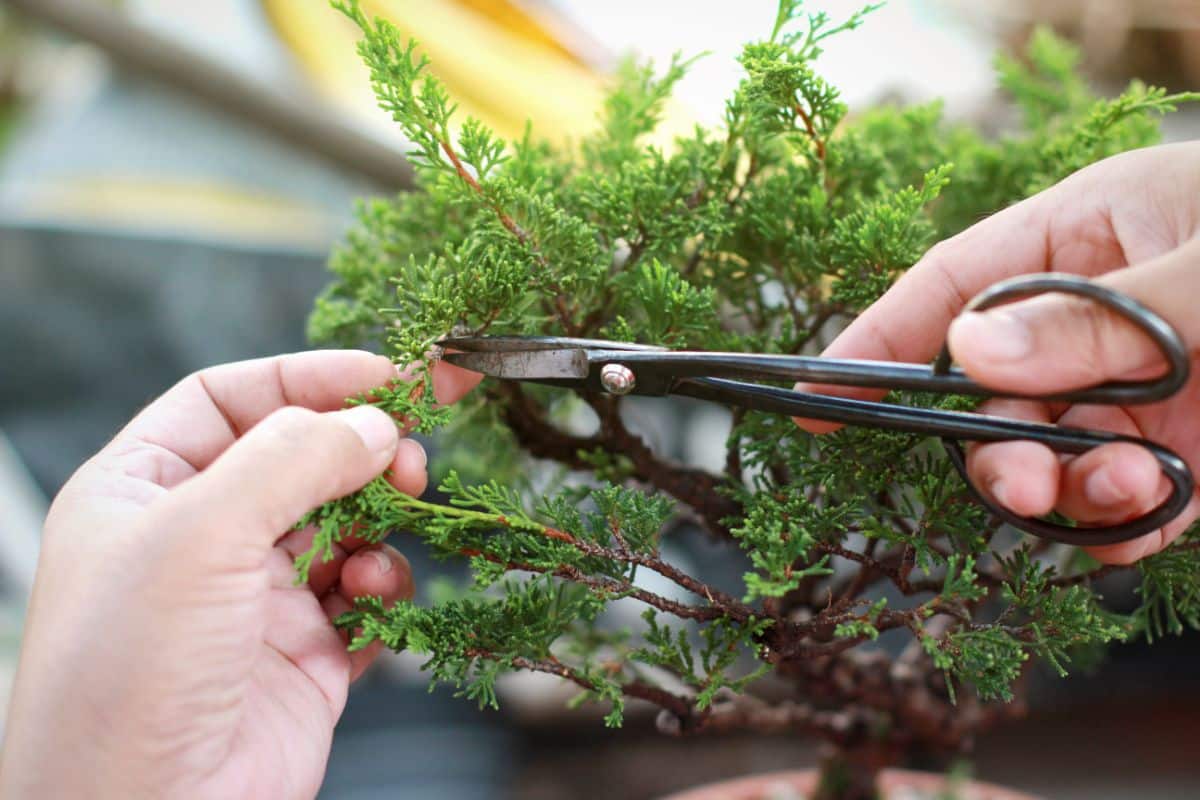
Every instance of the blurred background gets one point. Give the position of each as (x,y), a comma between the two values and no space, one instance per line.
(173,174)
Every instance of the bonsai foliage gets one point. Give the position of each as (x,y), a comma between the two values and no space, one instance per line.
(886,606)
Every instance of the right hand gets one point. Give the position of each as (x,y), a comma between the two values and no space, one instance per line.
(1131,222)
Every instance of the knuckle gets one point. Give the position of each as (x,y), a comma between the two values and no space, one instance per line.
(292,419)
(298,431)
(942,251)
(194,377)
(879,333)
(291,430)
(180,511)
(938,260)
(1096,326)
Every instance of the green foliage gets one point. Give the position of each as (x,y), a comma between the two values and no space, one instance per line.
(470,642)
(757,237)
(1039,618)
(881,238)
(722,643)
(1170,591)
(1060,618)
(664,308)
(778,532)
(863,627)
(633,112)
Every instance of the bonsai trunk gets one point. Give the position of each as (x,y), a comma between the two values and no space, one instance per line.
(852,773)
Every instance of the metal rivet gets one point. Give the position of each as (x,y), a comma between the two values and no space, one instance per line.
(617,379)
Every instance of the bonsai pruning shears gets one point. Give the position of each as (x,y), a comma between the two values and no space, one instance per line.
(732,379)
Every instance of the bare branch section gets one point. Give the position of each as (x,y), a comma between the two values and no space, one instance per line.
(697,489)
(720,607)
(720,604)
(681,707)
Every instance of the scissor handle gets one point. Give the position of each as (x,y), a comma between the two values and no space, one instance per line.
(951,426)
(1174,352)
(1170,344)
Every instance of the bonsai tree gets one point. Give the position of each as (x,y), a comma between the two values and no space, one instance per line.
(765,235)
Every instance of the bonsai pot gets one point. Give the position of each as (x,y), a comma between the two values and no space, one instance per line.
(894,784)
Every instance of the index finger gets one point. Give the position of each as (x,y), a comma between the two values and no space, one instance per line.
(202,415)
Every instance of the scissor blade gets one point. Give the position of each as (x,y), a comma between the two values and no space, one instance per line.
(510,344)
(569,364)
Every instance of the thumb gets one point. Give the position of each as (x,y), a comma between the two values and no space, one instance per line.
(1057,342)
(291,462)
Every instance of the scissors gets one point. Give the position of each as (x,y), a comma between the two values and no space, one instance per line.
(733,379)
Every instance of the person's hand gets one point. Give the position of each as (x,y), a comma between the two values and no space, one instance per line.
(168,651)
(1132,222)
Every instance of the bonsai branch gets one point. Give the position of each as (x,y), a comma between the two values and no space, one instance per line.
(611,587)
(745,712)
(807,119)
(722,603)
(505,219)
(678,705)
(695,488)
(698,489)
(565,316)
(895,565)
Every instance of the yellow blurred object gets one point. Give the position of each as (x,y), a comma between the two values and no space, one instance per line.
(502,75)
(500,62)
(181,206)
(504,62)
(534,23)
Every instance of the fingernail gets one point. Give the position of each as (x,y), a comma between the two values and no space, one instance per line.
(404,372)
(381,558)
(999,492)
(375,428)
(1102,490)
(417,450)
(993,335)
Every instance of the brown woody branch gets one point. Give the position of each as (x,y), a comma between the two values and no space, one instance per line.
(675,704)
(612,586)
(846,726)
(729,605)
(721,603)
(818,142)
(897,572)
(746,712)
(465,174)
(693,487)
(698,489)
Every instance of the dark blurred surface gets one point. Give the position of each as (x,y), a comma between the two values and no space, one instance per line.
(398,741)
(94,325)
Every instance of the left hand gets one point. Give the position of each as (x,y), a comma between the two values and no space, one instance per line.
(168,651)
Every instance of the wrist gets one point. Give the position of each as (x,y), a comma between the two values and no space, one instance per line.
(67,733)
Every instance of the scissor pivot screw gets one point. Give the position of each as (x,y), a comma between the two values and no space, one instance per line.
(617,379)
